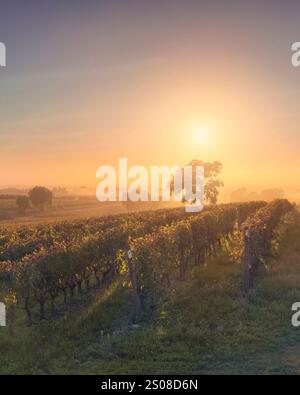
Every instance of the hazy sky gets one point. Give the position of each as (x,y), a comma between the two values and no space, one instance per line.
(160,82)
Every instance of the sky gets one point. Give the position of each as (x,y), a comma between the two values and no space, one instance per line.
(159,82)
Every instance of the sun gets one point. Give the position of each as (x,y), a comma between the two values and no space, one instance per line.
(201,134)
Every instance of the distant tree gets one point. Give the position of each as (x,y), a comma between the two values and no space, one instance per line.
(212,182)
(272,194)
(40,196)
(22,203)
(239,195)
(242,195)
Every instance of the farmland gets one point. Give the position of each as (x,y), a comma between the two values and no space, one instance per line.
(183,303)
(69,208)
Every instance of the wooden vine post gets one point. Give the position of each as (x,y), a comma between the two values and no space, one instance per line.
(248,262)
(11,319)
(133,279)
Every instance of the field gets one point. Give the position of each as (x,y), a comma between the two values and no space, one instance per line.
(69,208)
(183,304)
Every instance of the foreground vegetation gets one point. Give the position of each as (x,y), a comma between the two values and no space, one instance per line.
(203,325)
(153,249)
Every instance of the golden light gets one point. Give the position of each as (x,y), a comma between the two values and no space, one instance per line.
(201,134)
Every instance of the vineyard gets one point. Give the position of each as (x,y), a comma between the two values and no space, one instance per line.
(151,251)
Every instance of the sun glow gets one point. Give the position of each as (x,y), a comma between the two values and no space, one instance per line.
(201,134)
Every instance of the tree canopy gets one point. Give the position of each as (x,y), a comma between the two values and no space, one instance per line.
(40,196)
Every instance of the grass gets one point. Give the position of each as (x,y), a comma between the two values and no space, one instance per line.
(205,327)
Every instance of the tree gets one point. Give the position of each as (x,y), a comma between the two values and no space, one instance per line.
(22,203)
(212,183)
(40,196)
